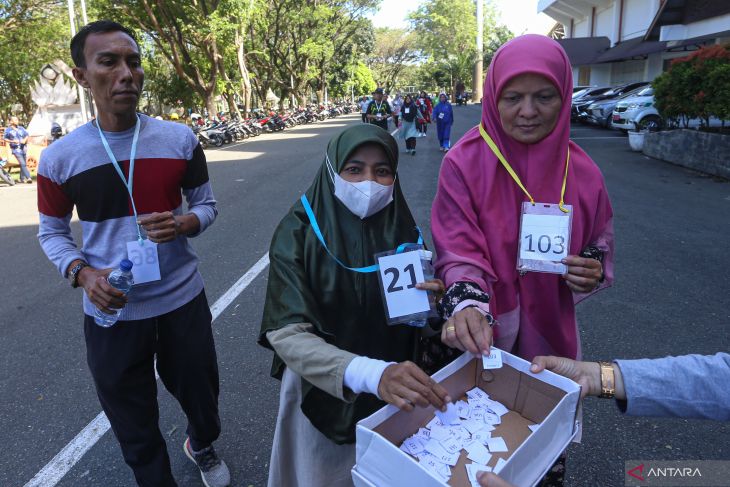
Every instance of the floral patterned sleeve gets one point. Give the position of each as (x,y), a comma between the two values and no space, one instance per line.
(462,295)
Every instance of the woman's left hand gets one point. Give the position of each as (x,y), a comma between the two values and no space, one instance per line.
(436,286)
(583,274)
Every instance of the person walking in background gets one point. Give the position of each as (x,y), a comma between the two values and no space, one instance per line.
(410,117)
(379,110)
(460,93)
(443,112)
(17,137)
(364,108)
(426,107)
(126,173)
(396,107)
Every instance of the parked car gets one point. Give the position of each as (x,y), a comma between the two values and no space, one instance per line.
(580,90)
(580,106)
(601,112)
(583,96)
(639,110)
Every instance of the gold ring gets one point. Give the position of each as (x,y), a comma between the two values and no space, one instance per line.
(450,328)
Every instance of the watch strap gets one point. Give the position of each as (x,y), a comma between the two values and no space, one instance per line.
(73,274)
(608,380)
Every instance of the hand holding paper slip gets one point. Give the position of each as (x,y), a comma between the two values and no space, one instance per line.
(463,425)
(450,416)
(493,360)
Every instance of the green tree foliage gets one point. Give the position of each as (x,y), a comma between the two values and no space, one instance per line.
(445,32)
(364,83)
(32,33)
(696,86)
(394,50)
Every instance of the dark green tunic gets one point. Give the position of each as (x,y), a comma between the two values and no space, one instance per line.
(307,286)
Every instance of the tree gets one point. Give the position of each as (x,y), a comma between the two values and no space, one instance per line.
(45,22)
(695,86)
(394,50)
(183,33)
(363,80)
(445,32)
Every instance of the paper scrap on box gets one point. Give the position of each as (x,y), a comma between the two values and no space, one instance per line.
(493,360)
(465,425)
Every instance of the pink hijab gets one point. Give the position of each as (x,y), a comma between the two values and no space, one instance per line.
(476,213)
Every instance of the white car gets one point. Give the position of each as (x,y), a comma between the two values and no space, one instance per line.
(637,109)
(640,110)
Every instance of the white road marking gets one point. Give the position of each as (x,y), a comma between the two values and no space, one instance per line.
(591,138)
(64,461)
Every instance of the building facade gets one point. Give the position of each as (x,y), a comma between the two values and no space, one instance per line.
(610,42)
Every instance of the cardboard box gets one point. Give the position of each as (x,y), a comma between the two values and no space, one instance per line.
(545,398)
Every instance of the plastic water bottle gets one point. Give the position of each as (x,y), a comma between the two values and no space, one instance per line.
(428,274)
(121,279)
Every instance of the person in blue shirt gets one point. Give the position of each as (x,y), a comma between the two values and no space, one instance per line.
(443,112)
(687,386)
(17,137)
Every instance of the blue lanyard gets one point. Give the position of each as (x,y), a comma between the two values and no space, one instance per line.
(127,183)
(315,227)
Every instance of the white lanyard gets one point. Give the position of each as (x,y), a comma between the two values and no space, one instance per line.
(127,183)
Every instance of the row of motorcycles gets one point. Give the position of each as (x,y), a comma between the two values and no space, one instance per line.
(219,131)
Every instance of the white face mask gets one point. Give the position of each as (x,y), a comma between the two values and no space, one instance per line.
(363,199)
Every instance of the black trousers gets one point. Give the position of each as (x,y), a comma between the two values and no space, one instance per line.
(121,360)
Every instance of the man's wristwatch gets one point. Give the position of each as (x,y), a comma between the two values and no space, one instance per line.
(73,274)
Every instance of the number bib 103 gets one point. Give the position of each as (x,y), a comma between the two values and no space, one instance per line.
(544,238)
(146,261)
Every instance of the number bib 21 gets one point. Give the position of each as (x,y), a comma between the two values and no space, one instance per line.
(398,275)
(146,261)
(544,238)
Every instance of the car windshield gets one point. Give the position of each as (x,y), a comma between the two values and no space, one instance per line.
(645,91)
(634,92)
(599,91)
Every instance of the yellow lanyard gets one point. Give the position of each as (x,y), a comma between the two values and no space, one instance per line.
(514,175)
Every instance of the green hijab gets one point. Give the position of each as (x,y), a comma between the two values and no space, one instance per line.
(306,285)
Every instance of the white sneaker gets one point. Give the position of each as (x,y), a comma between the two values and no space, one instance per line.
(213,470)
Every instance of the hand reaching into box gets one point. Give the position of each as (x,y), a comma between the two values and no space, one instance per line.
(405,385)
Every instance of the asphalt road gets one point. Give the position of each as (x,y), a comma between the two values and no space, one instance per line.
(670,297)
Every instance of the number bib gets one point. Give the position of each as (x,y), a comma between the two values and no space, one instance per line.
(544,238)
(398,274)
(146,261)
(407,110)
(441,115)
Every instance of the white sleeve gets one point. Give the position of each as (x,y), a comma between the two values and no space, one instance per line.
(363,374)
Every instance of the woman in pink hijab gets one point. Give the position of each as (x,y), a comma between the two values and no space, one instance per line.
(476,217)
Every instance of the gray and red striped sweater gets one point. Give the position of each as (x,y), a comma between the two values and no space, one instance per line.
(76,171)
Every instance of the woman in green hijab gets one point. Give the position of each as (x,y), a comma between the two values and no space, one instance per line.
(336,355)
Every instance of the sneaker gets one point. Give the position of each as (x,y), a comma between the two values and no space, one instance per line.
(413,152)
(213,470)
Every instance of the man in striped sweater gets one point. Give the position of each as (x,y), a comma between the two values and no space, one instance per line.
(166,316)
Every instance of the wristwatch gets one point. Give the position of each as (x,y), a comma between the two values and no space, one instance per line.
(73,274)
(608,381)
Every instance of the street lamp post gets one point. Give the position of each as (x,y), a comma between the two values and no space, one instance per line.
(479,64)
